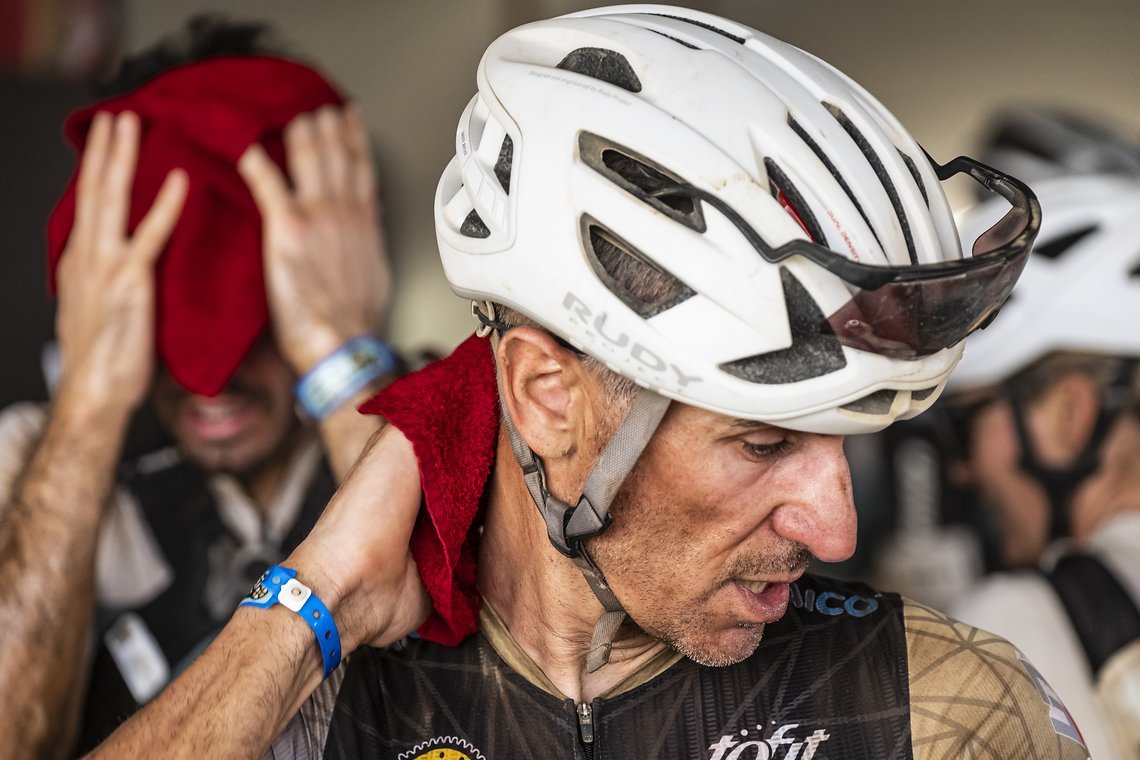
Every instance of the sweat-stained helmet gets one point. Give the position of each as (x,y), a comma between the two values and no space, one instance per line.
(794,214)
(814,276)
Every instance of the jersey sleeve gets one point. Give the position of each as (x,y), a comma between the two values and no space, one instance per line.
(305,735)
(973,694)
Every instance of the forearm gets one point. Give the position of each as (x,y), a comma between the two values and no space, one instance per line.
(242,691)
(235,698)
(47,556)
(345,432)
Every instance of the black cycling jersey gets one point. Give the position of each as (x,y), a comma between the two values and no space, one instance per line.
(845,673)
(828,680)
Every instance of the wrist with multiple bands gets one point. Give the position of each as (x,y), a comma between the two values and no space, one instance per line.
(279,585)
(338,377)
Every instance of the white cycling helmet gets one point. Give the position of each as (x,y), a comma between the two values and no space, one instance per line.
(1081,288)
(813,274)
(818,280)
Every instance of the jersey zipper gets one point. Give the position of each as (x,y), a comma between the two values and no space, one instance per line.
(586,729)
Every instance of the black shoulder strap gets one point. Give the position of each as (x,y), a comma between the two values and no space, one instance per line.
(1103,614)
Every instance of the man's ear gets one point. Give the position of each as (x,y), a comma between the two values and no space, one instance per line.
(1070,408)
(544,388)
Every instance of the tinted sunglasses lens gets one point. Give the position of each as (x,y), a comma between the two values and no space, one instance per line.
(918,315)
(905,320)
(1005,230)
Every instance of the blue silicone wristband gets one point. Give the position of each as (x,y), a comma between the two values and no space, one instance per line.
(279,586)
(338,376)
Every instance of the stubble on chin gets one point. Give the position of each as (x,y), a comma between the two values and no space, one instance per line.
(688,644)
(690,630)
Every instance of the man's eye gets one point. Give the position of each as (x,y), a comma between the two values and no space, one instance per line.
(765,450)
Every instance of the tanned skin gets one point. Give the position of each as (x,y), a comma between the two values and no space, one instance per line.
(327,281)
(1060,422)
(769,488)
(47,533)
(235,699)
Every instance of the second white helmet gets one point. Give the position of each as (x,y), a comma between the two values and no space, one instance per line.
(1081,288)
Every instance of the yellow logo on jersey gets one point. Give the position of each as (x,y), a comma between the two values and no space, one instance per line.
(443,748)
(443,754)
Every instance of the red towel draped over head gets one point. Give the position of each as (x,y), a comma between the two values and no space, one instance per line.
(200,117)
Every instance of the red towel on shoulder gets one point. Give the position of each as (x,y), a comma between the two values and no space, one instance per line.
(450,412)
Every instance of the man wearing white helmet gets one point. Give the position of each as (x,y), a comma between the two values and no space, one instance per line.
(1047,418)
(702,256)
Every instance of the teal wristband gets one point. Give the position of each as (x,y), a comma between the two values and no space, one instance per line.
(338,376)
(279,585)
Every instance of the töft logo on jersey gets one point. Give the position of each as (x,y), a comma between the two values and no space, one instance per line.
(783,744)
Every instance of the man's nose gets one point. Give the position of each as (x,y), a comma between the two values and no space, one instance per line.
(820,513)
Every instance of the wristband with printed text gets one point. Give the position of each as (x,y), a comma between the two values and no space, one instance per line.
(337,377)
(279,585)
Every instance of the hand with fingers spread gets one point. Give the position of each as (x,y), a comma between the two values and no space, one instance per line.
(106,278)
(50,520)
(326,270)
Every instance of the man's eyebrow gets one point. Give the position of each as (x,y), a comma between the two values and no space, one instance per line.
(750,424)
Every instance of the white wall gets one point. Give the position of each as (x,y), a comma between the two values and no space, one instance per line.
(940,66)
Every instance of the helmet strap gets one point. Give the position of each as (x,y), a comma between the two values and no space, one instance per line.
(1061,483)
(567,526)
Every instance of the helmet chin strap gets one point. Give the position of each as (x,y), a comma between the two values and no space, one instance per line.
(569,526)
(1061,483)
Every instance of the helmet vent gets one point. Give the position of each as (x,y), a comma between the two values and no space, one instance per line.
(634,174)
(640,283)
(813,352)
(1134,271)
(917,177)
(789,197)
(606,65)
(1054,248)
(649,181)
(878,402)
(474,227)
(689,45)
(703,25)
(923,393)
(823,157)
(880,170)
(503,164)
